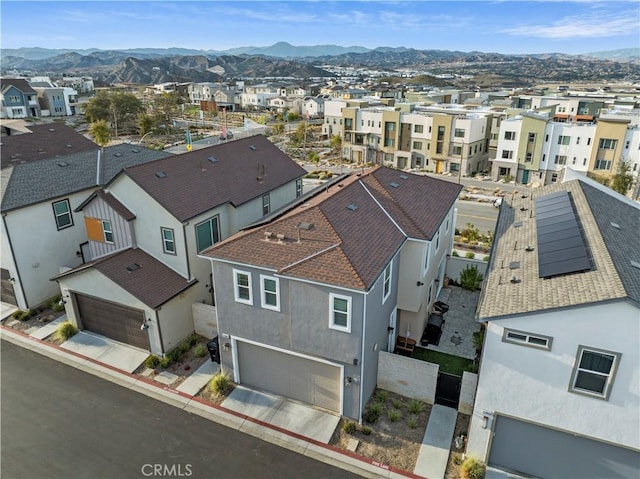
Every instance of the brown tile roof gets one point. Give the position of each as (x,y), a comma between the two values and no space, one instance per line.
(151,282)
(515,230)
(118,207)
(191,184)
(44,142)
(355,231)
(20,83)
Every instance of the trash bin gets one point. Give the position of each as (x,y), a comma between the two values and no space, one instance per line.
(214,350)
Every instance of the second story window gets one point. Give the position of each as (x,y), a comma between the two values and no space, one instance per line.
(340,312)
(458,133)
(62,213)
(418,128)
(509,135)
(269,292)
(386,287)
(594,372)
(107,231)
(564,140)
(266,204)
(298,187)
(242,287)
(168,242)
(207,233)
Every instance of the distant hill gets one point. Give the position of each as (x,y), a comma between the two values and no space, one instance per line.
(623,54)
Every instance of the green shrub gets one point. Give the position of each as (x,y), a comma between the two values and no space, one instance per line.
(396,403)
(412,422)
(478,339)
(220,383)
(416,407)
(454,253)
(470,255)
(373,412)
(381,396)
(200,350)
(65,330)
(394,415)
(152,361)
(366,430)
(349,427)
(19,315)
(166,361)
(485,258)
(472,468)
(470,278)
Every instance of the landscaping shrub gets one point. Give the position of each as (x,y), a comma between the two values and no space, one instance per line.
(166,361)
(454,253)
(220,383)
(394,415)
(472,468)
(471,278)
(412,422)
(416,407)
(366,430)
(152,361)
(381,396)
(349,427)
(470,255)
(485,258)
(373,412)
(19,315)
(396,403)
(200,350)
(65,331)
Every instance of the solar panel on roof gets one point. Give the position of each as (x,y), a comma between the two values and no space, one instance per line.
(561,246)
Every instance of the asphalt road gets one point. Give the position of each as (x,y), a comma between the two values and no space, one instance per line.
(482,215)
(59,422)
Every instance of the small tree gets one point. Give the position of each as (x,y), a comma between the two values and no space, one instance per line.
(623,179)
(335,142)
(100,131)
(470,278)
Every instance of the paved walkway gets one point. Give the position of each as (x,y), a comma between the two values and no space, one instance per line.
(99,348)
(199,378)
(436,444)
(48,329)
(7,309)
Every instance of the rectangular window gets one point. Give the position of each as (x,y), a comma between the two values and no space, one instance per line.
(509,135)
(507,154)
(458,133)
(417,145)
(607,144)
(426,258)
(62,213)
(602,165)
(340,314)
(242,287)
(348,122)
(266,204)
(389,142)
(594,372)
(207,233)
(532,138)
(560,160)
(168,242)
(527,339)
(528,158)
(577,140)
(418,128)
(546,138)
(588,141)
(107,231)
(437,241)
(564,140)
(298,187)
(389,125)
(386,288)
(269,292)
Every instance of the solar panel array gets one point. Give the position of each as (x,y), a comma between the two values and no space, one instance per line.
(561,247)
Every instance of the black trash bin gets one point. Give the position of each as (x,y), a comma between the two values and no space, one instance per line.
(214,350)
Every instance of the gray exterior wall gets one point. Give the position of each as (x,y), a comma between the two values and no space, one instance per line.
(122,232)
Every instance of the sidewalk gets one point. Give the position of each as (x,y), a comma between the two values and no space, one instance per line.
(184,398)
(434,452)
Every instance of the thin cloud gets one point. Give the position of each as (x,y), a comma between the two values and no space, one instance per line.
(592,26)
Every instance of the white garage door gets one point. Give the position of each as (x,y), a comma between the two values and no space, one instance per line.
(295,377)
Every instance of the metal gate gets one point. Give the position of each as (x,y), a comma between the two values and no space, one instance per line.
(448,390)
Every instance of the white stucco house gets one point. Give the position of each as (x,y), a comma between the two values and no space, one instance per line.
(559,382)
(146,227)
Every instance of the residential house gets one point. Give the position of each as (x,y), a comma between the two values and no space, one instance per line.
(19,100)
(559,381)
(56,101)
(40,232)
(307,299)
(146,227)
(313,106)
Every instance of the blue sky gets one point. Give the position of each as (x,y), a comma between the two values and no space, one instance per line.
(576,26)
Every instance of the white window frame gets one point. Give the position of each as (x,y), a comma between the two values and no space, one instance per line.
(266,205)
(263,293)
(437,242)
(523,338)
(166,241)
(236,286)
(57,215)
(213,220)
(332,311)
(427,258)
(107,230)
(386,282)
(299,187)
(610,375)
(509,135)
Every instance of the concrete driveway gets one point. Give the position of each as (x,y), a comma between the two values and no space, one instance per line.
(118,355)
(281,412)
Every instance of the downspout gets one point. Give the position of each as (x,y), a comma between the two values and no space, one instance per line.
(98,168)
(15,263)
(186,249)
(159,332)
(364,330)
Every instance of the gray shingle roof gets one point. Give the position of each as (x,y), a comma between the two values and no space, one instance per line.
(38,181)
(191,184)
(516,229)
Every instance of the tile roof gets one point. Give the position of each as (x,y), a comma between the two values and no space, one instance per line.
(44,142)
(34,182)
(244,169)
(355,230)
(151,282)
(516,229)
(20,83)
(114,203)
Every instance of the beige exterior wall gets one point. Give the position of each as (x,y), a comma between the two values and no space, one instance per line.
(608,129)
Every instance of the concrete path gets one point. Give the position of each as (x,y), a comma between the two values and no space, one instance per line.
(48,329)
(436,444)
(281,412)
(199,379)
(120,356)
(7,309)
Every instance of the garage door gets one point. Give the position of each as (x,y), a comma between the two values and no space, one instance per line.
(295,377)
(112,320)
(546,453)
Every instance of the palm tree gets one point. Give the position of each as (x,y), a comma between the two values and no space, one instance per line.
(101,135)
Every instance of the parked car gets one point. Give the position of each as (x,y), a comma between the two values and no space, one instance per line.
(227,136)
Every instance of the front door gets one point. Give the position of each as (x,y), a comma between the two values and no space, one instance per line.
(392,330)
(525,177)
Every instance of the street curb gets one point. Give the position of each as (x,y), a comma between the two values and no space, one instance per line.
(226,417)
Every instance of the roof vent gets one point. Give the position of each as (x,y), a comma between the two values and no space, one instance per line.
(252,148)
(52,129)
(515,280)
(69,146)
(517,224)
(117,154)
(635,264)
(403,177)
(524,208)
(132,267)
(514,265)
(305,226)
(135,150)
(394,185)
(352,207)
(615,225)
(280,237)
(529,248)
(161,174)
(268,235)
(212,159)
(40,150)
(63,164)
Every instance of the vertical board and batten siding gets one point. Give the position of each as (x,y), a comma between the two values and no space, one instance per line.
(121,228)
